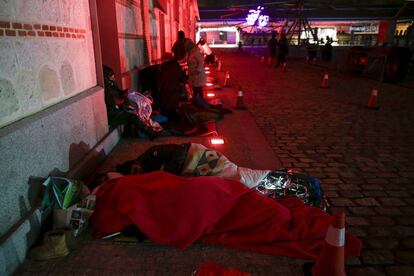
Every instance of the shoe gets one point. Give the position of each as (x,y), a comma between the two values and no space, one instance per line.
(54,245)
(226,111)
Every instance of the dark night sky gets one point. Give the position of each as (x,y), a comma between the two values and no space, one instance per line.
(315,8)
(320,3)
(230,3)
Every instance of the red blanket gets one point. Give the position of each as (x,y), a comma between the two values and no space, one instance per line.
(178,211)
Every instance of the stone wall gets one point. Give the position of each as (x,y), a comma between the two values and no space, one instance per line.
(46,55)
(52,113)
(46,63)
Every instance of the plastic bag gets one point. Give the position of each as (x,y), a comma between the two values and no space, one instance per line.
(283,183)
(76,217)
(65,192)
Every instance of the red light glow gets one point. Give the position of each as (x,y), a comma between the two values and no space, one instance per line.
(207,72)
(207,68)
(217,141)
(211,95)
(209,84)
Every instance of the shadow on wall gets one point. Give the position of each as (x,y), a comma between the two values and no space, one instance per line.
(77,152)
(83,162)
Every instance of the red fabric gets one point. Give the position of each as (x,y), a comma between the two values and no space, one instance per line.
(213,269)
(178,211)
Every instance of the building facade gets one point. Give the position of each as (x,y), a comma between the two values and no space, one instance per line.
(52,108)
(351,32)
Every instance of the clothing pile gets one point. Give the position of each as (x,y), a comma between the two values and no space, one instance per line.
(141,106)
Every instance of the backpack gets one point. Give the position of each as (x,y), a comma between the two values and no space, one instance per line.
(282,183)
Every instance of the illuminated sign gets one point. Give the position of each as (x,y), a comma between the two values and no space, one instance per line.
(364,29)
(255,18)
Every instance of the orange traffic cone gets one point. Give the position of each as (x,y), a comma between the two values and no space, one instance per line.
(240,101)
(372,102)
(325,80)
(284,66)
(227,79)
(331,261)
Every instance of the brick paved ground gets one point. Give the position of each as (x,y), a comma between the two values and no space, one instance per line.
(362,157)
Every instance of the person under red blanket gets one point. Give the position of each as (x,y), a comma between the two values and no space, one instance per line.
(191,159)
(179,211)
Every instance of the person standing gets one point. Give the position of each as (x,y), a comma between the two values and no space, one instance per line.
(272,45)
(206,51)
(196,73)
(178,49)
(283,52)
(327,49)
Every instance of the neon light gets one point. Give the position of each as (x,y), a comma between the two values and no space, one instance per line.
(220,28)
(224,28)
(217,141)
(211,95)
(207,72)
(209,84)
(223,46)
(263,20)
(255,16)
(207,68)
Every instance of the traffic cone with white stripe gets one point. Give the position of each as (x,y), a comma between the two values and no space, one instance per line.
(331,261)
(372,102)
(227,79)
(325,80)
(284,67)
(240,101)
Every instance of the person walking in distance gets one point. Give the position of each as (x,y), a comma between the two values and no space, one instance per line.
(283,51)
(272,45)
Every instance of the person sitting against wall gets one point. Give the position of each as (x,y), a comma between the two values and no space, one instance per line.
(166,81)
(119,111)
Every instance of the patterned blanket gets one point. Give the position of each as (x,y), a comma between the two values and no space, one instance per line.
(202,161)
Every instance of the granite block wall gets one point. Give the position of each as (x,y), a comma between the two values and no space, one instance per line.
(49,100)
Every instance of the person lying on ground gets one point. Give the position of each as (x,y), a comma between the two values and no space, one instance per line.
(179,211)
(192,159)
